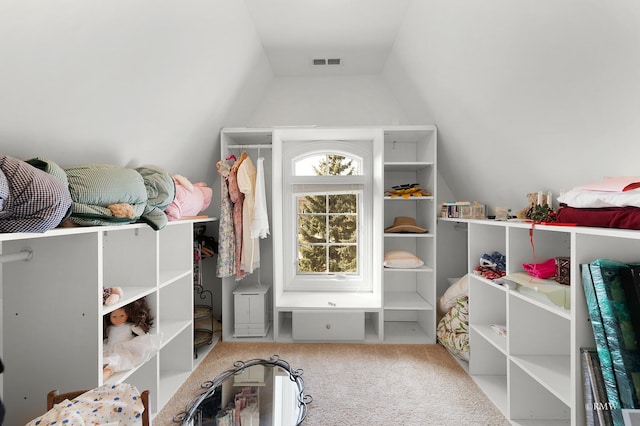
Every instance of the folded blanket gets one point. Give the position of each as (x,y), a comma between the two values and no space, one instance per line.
(31,200)
(147,190)
(606,217)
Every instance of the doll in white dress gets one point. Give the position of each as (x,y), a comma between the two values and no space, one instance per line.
(127,339)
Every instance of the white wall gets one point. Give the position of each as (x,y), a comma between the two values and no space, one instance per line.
(127,82)
(328,101)
(528,95)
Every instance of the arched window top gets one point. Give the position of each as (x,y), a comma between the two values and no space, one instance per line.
(327,164)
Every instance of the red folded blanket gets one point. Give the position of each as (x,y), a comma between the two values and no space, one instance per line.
(605,217)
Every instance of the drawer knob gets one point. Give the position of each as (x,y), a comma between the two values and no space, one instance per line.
(328,326)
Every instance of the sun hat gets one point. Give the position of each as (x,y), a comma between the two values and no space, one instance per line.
(404,224)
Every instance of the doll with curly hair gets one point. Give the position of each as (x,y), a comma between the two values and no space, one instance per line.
(127,339)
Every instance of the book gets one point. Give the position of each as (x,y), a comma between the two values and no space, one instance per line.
(598,411)
(608,277)
(602,348)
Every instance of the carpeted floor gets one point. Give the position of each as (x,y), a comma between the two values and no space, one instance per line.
(360,384)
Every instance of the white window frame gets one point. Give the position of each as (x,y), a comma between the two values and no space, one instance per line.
(295,185)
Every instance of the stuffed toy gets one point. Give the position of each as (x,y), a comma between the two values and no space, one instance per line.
(190,200)
(111,295)
(128,342)
(122,210)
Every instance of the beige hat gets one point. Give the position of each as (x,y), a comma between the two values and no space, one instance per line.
(404,224)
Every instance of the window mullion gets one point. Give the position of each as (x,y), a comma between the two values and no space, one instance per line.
(327,236)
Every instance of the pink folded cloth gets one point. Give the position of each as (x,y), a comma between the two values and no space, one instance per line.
(541,270)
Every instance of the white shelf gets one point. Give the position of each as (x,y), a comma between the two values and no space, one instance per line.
(408,235)
(495,387)
(402,199)
(405,300)
(405,332)
(406,166)
(423,268)
(551,371)
(499,342)
(543,303)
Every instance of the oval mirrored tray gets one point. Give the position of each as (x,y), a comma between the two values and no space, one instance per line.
(265,392)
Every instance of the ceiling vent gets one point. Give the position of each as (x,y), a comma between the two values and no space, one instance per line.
(326,61)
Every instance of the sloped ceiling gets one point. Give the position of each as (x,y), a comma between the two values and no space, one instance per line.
(360,33)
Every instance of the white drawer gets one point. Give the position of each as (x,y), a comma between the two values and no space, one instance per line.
(327,325)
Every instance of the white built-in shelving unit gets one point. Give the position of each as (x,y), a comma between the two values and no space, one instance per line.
(53,312)
(534,373)
(256,142)
(400,307)
(409,294)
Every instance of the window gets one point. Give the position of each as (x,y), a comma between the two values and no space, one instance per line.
(327,215)
(327,228)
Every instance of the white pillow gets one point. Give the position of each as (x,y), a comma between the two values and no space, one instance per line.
(455,290)
(401,259)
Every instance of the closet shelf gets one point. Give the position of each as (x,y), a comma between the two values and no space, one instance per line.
(402,166)
(405,300)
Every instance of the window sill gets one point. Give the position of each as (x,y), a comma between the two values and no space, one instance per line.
(328,300)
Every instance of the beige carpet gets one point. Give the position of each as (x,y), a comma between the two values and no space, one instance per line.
(361,384)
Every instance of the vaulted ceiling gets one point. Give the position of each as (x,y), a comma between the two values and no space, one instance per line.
(360,33)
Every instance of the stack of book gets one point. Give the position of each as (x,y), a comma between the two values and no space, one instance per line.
(612,370)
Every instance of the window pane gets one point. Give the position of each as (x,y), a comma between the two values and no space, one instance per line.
(312,229)
(327,165)
(312,204)
(339,165)
(312,259)
(343,259)
(343,203)
(307,165)
(343,228)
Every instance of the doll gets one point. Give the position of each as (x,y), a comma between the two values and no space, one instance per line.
(127,339)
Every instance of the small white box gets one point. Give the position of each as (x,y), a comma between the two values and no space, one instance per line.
(251,311)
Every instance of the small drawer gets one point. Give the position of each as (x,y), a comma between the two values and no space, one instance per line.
(327,325)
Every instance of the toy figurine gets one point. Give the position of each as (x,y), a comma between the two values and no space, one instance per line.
(127,339)
(111,295)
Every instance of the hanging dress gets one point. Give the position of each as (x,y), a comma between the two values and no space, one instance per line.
(237,198)
(260,223)
(250,245)
(226,237)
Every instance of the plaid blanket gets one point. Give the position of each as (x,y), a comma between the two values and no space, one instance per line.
(31,200)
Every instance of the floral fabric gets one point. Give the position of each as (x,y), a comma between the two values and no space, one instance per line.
(108,404)
(226,238)
(453,329)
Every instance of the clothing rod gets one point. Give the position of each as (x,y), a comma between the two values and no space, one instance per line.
(21,255)
(257,146)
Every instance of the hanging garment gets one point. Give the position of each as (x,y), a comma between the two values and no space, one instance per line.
(250,246)
(226,237)
(237,198)
(260,223)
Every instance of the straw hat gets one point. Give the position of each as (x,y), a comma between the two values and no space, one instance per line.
(404,224)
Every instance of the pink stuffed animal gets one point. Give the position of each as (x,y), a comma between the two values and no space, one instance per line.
(111,295)
(191,198)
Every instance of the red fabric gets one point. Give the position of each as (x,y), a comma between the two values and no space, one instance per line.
(605,217)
